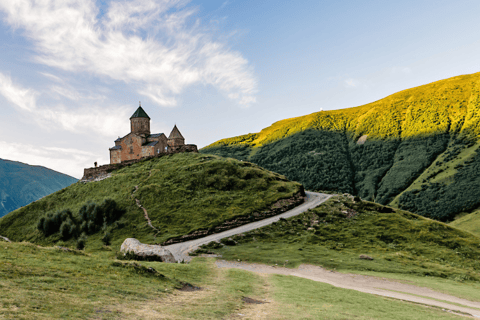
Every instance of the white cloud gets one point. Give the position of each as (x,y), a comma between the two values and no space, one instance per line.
(102,120)
(25,99)
(69,161)
(63,91)
(151,45)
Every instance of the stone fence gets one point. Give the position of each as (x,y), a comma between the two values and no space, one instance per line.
(90,174)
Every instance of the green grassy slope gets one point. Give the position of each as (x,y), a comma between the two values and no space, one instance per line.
(181,193)
(403,149)
(21,184)
(336,233)
(49,283)
(469,222)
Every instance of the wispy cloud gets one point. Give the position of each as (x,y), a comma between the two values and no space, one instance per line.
(155,46)
(67,161)
(25,99)
(103,120)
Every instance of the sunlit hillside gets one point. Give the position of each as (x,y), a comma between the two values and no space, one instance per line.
(415,149)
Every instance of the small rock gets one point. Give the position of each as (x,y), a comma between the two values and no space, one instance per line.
(146,251)
(365,257)
(64,249)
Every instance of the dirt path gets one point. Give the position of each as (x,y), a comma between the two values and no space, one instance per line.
(367,284)
(180,250)
(145,213)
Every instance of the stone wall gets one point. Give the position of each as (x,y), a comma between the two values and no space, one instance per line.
(90,174)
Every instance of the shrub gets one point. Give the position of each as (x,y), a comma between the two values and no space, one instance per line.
(40,224)
(81,241)
(65,230)
(106,239)
(88,220)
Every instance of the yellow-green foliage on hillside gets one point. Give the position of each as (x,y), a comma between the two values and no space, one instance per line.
(451,105)
(407,149)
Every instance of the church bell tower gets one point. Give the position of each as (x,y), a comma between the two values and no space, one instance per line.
(140,122)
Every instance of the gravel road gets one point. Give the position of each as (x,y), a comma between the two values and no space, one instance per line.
(373,285)
(180,250)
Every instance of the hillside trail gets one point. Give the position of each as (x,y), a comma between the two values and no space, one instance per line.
(367,284)
(145,213)
(180,250)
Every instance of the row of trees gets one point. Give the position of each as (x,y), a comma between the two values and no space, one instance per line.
(90,219)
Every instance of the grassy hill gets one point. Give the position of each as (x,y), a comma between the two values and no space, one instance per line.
(336,233)
(416,149)
(21,184)
(182,193)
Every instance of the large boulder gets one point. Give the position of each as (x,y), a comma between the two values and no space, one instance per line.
(146,251)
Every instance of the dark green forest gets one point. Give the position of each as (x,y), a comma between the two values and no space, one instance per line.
(377,170)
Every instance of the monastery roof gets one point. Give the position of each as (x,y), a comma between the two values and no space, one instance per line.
(155,135)
(140,113)
(175,134)
(151,144)
(116,148)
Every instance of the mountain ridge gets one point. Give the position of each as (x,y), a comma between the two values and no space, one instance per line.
(21,184)
(379,150)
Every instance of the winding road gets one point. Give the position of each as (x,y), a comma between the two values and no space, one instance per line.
(180,250)
(367,284)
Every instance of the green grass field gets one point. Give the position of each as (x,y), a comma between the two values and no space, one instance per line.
(305,299)
(182,193)
(49,283)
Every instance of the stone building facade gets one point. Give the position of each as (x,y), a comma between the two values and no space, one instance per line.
(140,143)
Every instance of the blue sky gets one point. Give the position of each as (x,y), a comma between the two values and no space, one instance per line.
(73,71)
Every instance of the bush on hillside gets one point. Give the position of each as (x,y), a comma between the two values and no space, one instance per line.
(81,241)
(52,222)
(89,219)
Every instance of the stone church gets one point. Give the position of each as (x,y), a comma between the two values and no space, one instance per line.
(140,143)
